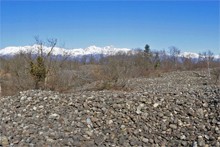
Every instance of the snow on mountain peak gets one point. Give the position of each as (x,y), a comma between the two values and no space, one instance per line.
(189,55)
(91,50)
(195,55)
(107,50)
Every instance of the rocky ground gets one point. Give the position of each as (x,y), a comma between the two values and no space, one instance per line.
(176,109)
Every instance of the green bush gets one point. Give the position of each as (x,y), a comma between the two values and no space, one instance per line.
(38,71)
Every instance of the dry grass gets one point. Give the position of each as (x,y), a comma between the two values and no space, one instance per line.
(110,72)
(215,76)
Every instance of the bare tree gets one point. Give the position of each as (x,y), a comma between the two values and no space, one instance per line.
(174,52)
(208,58)
(46,65)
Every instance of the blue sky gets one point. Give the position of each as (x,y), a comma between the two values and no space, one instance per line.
(189,25)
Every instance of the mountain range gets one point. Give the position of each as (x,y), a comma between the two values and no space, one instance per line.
(91,50)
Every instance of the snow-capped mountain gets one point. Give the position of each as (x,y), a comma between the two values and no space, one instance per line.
(189,55)
(195,55)
(91,50)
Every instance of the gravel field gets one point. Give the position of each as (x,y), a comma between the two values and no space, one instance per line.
(176,109)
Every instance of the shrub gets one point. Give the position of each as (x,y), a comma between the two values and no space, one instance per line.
(38,71)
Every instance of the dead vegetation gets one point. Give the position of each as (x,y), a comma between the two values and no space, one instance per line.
(45,71)
(215,76)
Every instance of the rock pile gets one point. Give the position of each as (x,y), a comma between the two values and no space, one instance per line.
(177,109)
